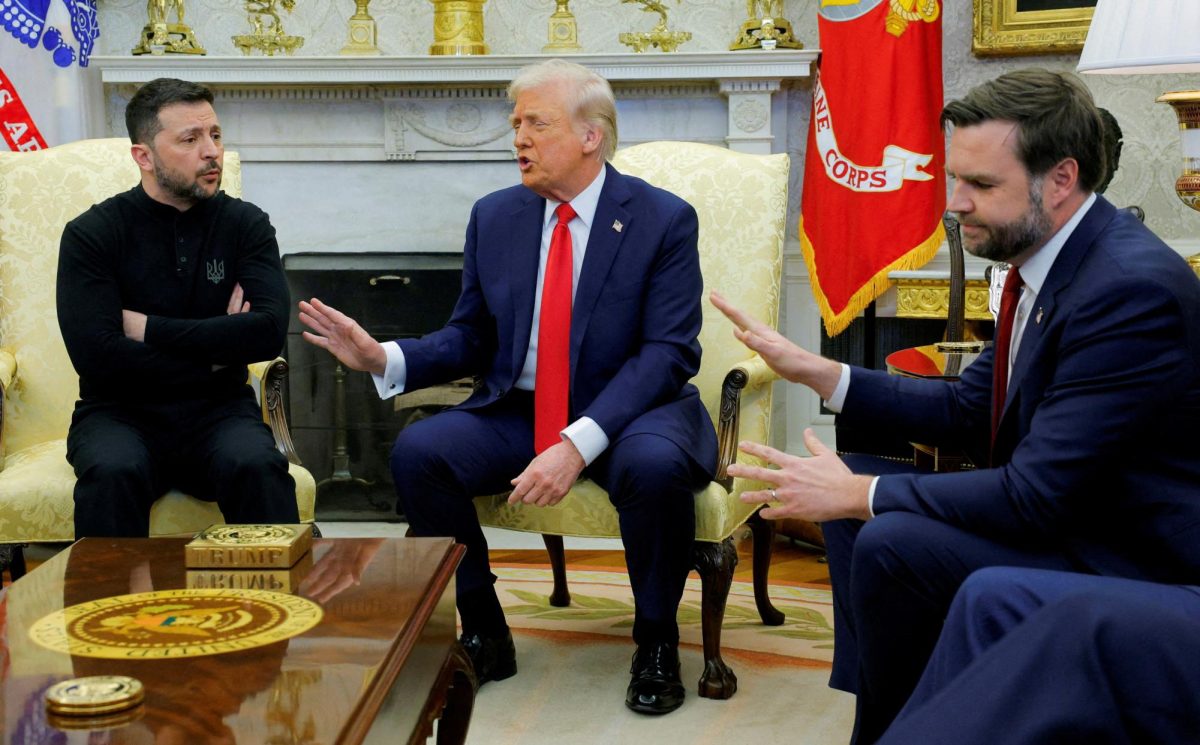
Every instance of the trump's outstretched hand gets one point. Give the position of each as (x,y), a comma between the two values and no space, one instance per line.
(341,336)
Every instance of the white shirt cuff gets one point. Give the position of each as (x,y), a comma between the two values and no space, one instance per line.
(838,399)
(394,375)
(587,437)
(871,496)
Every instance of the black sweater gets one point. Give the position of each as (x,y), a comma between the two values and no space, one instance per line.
(179,268)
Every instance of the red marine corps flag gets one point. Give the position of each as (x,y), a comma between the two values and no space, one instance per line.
(874,179)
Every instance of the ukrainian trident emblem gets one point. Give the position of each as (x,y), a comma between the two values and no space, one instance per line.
(216,271)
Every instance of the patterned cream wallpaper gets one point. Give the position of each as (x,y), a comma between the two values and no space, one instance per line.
(1149,164)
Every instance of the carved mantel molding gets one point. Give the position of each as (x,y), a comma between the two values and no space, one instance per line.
(302,71)
(447,108)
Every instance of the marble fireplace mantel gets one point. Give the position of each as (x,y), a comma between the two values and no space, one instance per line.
(453,108)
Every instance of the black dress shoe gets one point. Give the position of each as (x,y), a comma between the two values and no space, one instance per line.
(494,658)
(655,687)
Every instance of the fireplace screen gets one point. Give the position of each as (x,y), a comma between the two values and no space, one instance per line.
(342,430)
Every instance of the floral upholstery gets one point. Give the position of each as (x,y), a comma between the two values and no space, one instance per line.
(741,201)
(39,193)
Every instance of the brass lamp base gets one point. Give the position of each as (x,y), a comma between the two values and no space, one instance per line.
(1187,109)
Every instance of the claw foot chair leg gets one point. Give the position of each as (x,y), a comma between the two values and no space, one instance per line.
(763,534)
(715,563)
(561,596)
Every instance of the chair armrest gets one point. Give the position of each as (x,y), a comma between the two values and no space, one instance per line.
(748,374)
(268,379)
(8,372)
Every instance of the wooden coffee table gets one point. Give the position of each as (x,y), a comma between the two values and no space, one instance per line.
(382,665)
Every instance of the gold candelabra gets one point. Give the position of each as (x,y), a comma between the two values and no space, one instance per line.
(267,35)
(659,36)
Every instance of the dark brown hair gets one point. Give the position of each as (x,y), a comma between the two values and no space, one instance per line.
(1055,115)
(141,114)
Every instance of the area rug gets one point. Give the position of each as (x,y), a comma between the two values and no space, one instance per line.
(573,666)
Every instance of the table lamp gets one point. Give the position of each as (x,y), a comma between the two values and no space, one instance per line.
(1131,37)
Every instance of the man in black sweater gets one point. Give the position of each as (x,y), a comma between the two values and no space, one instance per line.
(165,293)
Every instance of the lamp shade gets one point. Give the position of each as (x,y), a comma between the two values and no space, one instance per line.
(1143,36)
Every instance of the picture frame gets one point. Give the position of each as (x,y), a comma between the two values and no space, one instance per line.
(1016,27)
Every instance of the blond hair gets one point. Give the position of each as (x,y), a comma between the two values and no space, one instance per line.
(590,99)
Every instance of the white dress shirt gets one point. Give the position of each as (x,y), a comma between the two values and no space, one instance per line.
(1033,275)
(584,433)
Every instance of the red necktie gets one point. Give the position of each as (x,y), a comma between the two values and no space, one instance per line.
(1004,327)
(551,384)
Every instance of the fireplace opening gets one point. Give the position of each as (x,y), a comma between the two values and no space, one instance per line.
(342,430)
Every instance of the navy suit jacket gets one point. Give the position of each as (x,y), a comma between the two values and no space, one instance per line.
(1097,448)
(634,322)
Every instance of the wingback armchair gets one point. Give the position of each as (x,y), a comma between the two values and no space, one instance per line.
(39,193)
(741,201)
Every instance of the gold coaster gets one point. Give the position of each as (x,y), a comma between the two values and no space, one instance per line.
(93,695)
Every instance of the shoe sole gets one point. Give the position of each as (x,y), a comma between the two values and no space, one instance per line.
(651,710)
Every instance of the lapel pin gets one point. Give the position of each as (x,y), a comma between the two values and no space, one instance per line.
(1039,316)
(617,226)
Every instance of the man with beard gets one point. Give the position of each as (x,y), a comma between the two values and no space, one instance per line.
(1080,420)
(165,293)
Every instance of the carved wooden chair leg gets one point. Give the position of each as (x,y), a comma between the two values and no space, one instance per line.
(715,563)
(561,596)
(762,532)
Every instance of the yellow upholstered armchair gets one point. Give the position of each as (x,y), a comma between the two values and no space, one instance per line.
(741,201)
(39,193)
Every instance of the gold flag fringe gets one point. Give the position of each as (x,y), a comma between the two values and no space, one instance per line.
(836,323)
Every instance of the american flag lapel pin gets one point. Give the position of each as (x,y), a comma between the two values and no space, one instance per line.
(617,226)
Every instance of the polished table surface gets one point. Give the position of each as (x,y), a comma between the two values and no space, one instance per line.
(365,673)
(930,361)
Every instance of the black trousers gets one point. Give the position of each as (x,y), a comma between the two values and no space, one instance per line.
(439,464)
(127,456)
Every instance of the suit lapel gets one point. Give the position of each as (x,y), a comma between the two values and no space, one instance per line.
(1065,266)
(603,242)
(525,247)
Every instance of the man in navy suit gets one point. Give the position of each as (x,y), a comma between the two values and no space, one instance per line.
(636,426)
(1085,456)
(1035,656)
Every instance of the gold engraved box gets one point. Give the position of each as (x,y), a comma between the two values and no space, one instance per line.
(248,547)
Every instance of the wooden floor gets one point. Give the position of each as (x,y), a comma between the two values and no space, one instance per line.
(790,561)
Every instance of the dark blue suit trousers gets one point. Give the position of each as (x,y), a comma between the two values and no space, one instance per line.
(1040,657)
